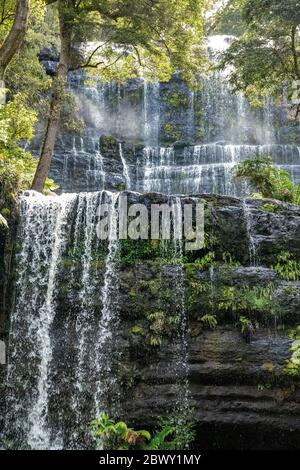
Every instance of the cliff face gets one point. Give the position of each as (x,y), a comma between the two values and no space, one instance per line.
(174,140)
(126,337)
(241,393)
(2,316)
(137,327)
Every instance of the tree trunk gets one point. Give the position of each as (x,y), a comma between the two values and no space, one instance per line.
(15,37)
(55,105)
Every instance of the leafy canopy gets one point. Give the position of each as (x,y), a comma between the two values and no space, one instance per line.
(128,38)
(268,180)
(26,99)
(266,56)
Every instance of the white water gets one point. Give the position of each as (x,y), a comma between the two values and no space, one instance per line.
(179,297)
(151,113)
(206,167)
(44,226)
(85,225)
(125,168)
(109,316)
(50,228)
(251,239)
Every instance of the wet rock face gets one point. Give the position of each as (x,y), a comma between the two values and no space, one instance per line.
(192,139)
(240,391)
(238,382)
(235,390)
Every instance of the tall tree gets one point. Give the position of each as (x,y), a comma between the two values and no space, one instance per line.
(130,36)
(15,37)
(66,29)
(267,55)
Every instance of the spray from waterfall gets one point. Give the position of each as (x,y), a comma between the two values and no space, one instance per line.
(151,113)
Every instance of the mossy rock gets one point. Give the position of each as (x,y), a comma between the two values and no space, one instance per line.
(108,144)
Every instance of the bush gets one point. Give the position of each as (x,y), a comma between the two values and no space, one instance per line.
(269,181)
(175,432)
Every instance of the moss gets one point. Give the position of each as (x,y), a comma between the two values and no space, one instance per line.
(152,251)
(121,187)
(190,269)
(177,99)
(108,144)
(138,330)
(172,131)
(270,207)
(200,133)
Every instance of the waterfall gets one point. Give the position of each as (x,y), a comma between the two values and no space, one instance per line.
(109,316)
(251,240)
(191,117)
(44,227)
(125,167)
(151,113)
(62,355)
(208,167)
(179,300)
(84,235)
(96,173)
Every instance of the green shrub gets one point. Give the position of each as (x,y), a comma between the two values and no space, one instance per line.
(269,181)
(175,432)
(287,267)
(209,321)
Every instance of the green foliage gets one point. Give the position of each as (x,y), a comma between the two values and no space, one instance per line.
(267,54)
(206,261)
(244,324)
(287,267)
(209,321)
(26,101)
(270,207)
(229,261)
(175,432)
(111,435)
(154,251)
(138,250)
(292,367)
(182,424)
(253,299)
(177,99)
(269,181)
(138,330)
(160,324)
(228,19)
(17,166)
(17,120)
(172,132)
(154,38)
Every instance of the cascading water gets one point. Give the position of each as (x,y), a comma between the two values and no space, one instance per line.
(151,113)
(227,128)
(106,382)
(84,235)
(125,167)
(251,240)
(55,354)
(71,354)
(182,368)
(43,233)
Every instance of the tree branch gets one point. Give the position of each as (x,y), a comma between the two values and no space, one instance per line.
(15,37)
(294,51)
